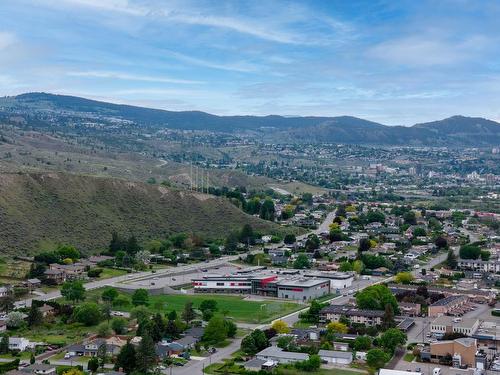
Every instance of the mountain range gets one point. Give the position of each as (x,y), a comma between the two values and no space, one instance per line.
(43,110)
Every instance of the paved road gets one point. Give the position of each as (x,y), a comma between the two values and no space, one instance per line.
(196,367)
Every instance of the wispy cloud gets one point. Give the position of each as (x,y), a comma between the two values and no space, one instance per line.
(242,67)
(428,50)
(6,39)
(130,77)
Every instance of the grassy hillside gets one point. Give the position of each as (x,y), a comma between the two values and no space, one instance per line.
(37,208)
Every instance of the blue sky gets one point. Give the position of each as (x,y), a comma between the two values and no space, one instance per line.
(396,62)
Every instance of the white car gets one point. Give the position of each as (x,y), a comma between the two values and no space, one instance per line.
(67,356)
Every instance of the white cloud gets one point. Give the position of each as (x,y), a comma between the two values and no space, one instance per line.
(6,40)
(428,50)
(129,77)
(242,67)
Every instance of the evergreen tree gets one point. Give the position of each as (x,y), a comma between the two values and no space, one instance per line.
(451,259)
(34,316)
(146,355)
(126,359)
(132,245)
(4,344)
(188,313)
(93,364)
(388,319)
(116,244)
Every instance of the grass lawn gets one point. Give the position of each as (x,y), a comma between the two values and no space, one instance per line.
(56,333)
(219,368)
(235,306)
(409,357)
(22,355)
(111,272)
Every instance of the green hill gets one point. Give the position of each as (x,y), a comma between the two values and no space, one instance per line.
(37,208)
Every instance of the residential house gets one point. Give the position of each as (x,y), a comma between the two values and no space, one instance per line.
(335,357)
(40,369)
(20,343)
(56,275)
(278,355)
(410,309)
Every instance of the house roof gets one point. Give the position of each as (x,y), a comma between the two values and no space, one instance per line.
(187,340)
(274,351)
(255,362)
(335,354)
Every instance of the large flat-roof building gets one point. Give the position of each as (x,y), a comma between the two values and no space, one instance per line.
(264,284)
(447,324)
(338,280)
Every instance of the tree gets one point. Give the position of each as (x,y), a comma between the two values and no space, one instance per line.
(358,266)
(451,260)
(109,294)
(93,364)
(470,251)
(441,242)
(7,303)
(375,297)
(145,355)
(116,244)
(404,277)
(362,343)
(103,330)
(376,358)
(101,354)
(336,327)
(231,243)
(141,314)
(364,245)
(388,319)
(132,246)
(281,326)
(231,328)
(215,331)
(419,232)
(35,316)
(15,319)
(247,236)
(301,262)
(208,304)
(289,239)
(248,345)
(391,339)
(68,252)
(126,358)
(73,291)
(140,297)
(121,301)
(4,344)
(485,255)
(87,313)
(410,218)
(188,313)
(119,325)
(312,242)
(267,210)
(255,342)
(32,359)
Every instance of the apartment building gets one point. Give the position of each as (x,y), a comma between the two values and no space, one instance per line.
(333,313)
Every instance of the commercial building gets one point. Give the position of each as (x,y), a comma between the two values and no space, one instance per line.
(447,324)
(264,284)
(447,305)
(338,280)
(462,351)
(333,313)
